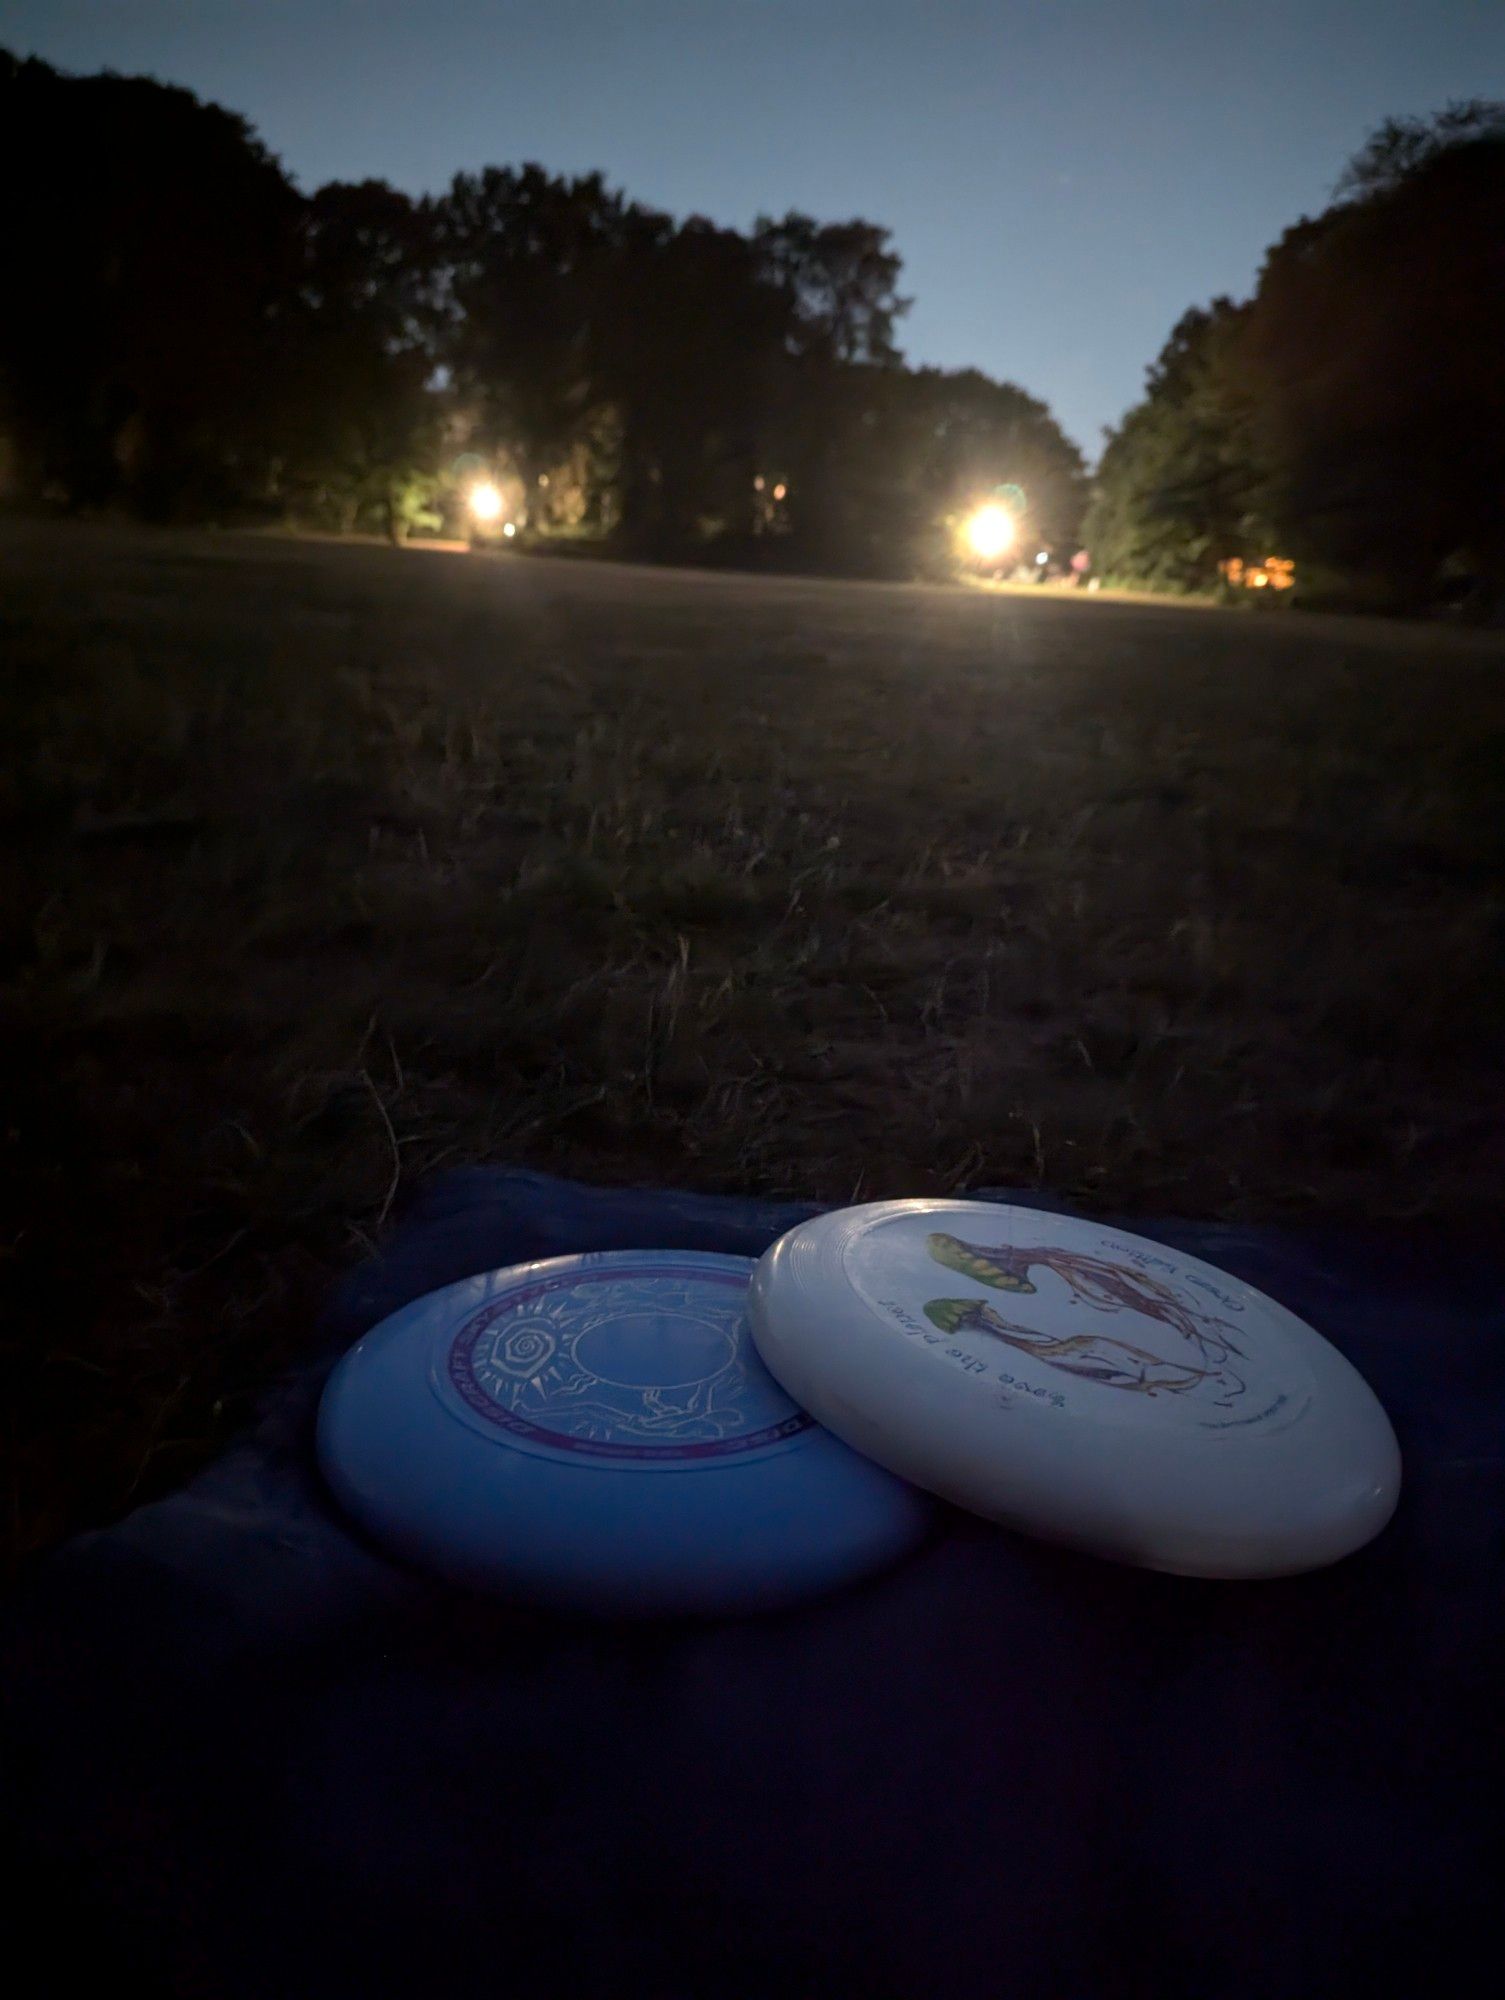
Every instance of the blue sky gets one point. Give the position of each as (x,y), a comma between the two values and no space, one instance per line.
(1063,177)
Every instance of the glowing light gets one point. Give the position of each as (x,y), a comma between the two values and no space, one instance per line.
(758,484)
(485,501)
(509,529)
(989,532)
(780,491)
(1043,557)
(1274,573)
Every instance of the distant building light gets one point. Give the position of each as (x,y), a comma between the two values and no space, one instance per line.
(780,491)
(509,529)
(758,484)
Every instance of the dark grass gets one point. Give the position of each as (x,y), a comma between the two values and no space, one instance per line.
(327,866)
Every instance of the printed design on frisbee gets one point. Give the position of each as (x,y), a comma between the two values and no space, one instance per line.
(652,1367)
(1095,1357)
(1207,1365)
(1112,1329)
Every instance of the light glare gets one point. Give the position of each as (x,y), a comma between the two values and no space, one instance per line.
(485,501)
(990,532)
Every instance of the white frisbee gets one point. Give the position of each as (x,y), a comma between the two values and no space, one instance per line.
(1079,1383)
(597,1434)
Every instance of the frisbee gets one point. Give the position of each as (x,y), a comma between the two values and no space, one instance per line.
(598,1434)
(1082,1384)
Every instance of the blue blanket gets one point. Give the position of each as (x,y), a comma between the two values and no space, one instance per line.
(248,1757)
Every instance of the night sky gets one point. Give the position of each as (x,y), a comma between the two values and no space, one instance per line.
(1063,177)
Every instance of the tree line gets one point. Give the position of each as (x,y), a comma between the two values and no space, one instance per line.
(189,336)
(1350,416)
(186,335)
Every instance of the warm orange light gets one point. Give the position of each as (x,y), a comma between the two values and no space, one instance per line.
(780,491)
(1274,573)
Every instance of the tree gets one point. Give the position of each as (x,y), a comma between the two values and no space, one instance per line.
(975,434)
(1371,354)
(697,340)
(1353,412)
(925,446)
(1401,147)
(839,279)
(574,315)
(360,419)
(839,282)
(1176,492)
(141,289)
(530,262)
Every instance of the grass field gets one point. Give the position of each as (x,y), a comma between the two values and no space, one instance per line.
(329,865)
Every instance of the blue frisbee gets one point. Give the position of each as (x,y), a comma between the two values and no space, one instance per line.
(598,1434)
